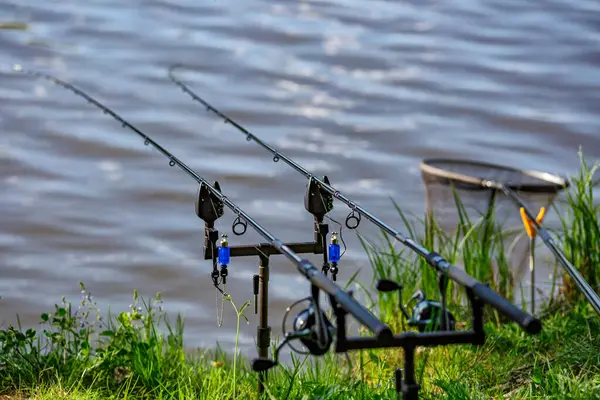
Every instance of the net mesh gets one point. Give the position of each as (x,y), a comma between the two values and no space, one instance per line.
(450,184)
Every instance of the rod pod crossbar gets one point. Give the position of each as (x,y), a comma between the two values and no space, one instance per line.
(529,323)
(318,280)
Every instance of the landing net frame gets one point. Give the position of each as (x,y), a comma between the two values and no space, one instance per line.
(450,180)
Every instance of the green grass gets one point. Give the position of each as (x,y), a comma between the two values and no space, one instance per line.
(581,229)
(140,353)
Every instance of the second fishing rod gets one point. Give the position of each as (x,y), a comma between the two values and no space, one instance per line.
(526,321)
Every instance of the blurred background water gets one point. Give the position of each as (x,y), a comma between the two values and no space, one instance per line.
(360,91)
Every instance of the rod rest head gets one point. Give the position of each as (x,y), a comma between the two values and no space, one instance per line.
(209,207)
(317,200)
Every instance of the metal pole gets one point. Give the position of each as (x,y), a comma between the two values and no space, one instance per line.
(488,216)
(398,374)
(263,330)
(410,388)
(532,270)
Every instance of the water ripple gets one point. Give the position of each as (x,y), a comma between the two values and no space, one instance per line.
(360,91)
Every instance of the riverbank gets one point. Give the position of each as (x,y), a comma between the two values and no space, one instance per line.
(79,353)
(137,361)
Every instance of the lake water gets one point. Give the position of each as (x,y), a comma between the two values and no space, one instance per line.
(360,91)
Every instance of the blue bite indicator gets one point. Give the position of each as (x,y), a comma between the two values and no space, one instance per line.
(224,251)
(334,249)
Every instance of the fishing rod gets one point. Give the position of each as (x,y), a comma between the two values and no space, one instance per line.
(317,279)
(444,268)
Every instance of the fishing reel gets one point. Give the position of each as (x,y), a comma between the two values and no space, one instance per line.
(427,315)
(311,326)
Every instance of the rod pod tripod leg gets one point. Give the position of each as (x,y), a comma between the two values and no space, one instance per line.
(263,329)
(409,388)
